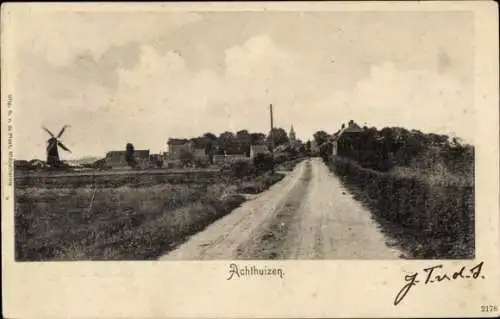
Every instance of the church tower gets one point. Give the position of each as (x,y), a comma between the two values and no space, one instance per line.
(292,137)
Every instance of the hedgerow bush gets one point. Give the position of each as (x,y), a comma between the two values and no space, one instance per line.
(263,162)
(442,212)
(280,158)
(242,169)
(260,183)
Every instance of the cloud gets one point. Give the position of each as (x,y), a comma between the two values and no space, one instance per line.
(115,83)
(259,58)
(59,36)
(415,99)
(160,97)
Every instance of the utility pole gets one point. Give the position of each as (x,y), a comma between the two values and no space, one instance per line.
(272,135)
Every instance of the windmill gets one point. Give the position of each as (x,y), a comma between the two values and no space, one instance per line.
(53,144)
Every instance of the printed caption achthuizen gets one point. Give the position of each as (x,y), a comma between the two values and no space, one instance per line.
(236,271)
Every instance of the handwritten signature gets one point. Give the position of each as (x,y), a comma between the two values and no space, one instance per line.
(436,274)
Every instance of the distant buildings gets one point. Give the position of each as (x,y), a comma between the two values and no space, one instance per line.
(176,147)
(200,154)
(184,151)
(258,149)
(116,159)
(36,163)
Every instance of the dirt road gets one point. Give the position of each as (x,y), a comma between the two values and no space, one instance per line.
(308,215)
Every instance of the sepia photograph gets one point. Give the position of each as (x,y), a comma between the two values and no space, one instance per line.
(221,136)
(175,133)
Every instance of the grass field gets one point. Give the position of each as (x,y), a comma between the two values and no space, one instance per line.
(120,218)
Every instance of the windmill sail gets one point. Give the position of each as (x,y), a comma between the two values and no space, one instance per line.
(62,131)
(63,146)
(47,130)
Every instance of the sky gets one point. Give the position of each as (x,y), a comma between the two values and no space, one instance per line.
(144,77)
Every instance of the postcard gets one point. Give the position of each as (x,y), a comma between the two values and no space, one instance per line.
(250,160)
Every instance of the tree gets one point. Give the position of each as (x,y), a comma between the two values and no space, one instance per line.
(256,138)
(243,139)
(242,134)
(209,142)
(325,150)
(198,141)
(321,137)
(279,136)
(243,168)
(210,136)
(227,142)
(129,155)
(302,149)
(263,162)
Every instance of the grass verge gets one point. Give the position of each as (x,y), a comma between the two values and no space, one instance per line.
(122,223)
(128,222)
(260,183)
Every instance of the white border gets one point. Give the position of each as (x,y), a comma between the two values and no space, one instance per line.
(311,288)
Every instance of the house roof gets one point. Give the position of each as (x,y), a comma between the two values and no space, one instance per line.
(281,148)
(178,141)
(352,127)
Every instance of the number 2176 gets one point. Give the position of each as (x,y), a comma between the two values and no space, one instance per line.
(489,308)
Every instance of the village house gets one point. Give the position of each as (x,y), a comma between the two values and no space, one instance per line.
(258,149)
(116,159)
(347,140)
(177,146)
(200,154)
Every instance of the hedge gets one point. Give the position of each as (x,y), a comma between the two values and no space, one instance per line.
(438,211)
